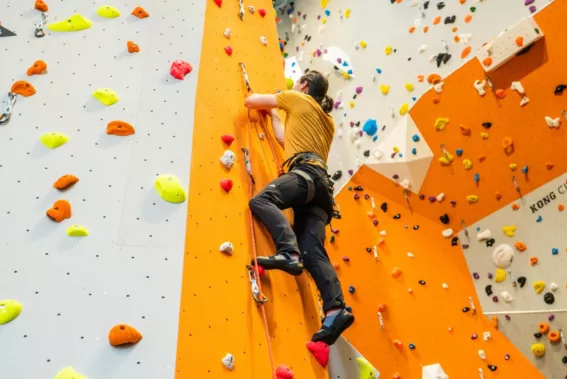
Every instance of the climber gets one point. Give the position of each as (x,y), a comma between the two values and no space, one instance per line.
(307,189)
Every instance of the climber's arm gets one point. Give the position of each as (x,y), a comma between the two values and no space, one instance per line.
(258,101)
(277,124)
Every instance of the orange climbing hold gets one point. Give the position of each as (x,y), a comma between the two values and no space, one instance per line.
(561,207)
(65,181)
(60,211)
(508,145)
(382,307)
(398,344)
(433,79)
(500,93)
(466,51)
(520,246)
(132,47)
(39,68)
(120,128)
(123,334)
(140,13)
(466,131)
(462,1)
(436,20)
(533,261)
(554,336)
(425,29)
(396,272)
(23,88)
(455,29)
(519,41)
(515,207)
(41,6)
(411,29)
(487,61)
(494,321)
(549,165)
(543,327)
(457,38)
(420,78)
(468,18)
(498,195)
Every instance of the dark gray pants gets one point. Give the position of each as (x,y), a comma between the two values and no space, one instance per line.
(308,235)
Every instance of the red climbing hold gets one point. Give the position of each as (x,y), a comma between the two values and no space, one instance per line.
(227,139)
(262,12)
(228,50)
(261,270)
(284,372)
(320,351)
(218,2)
(179,69)
(226,184)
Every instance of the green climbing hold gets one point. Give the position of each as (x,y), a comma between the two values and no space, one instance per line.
(77,231)
(108,11)
(536,30)
(289,83)
(473,9)
(9,310)
(54,140)
(169,189)
(69,373)
(73,24)
(106,96)
(366,369)
(332,239)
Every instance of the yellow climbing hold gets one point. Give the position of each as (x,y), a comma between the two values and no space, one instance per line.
(467,163)
(446,159)
(289,83)
(351,104)
(472,199)
(108,11)
(441,123)
(9,310)
(106,96)
(324,3)
(73,24)
(500,275)
(363,44)
(77,231)
(54,140)
(539,286)
(513,166)
(347,12)
(538,350)
(404,109)
(169,188)
(385,88)
(324,20)
(346,75)
(409,87)
(396,149)
(484,135)
(366,369)
(69,373)
(509,230)
(388,50)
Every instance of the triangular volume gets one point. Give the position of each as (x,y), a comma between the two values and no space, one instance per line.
(410,174)
(416,146)
(5,32)
(346,362)
(434,371)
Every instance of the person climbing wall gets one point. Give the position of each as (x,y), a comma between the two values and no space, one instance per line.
(307,189)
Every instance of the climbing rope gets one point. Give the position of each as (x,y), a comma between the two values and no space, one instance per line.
(253,272)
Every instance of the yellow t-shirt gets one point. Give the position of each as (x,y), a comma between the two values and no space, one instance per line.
(307,127)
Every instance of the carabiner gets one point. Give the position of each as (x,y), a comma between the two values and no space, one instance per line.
(241,11)
(256,294)
(7,115)
(39,28)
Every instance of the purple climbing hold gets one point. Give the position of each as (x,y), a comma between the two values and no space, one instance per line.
(495,299)
(476,275)
(356,197)
(358,90)
(352,124)
(528,2)
(339,60)
(490,276)
(366,196)
(337,104)
(533,9)
(396,176)
(375,222)
(551,317)
(508,318)
(346,259)
(465,246)
(318,17)
(453,203)
(318,52)
(432,199)
(351,172)
(421,196)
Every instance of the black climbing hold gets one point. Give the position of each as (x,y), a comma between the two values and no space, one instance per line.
(336,68)
(549,298)
(426,5)
(395,50)
(358,188)
(368,250)
(507,357)
(446,58)
(439,59)
(440,5)
(392,1)
(366,153)
(525,50)
(444,219)
(488,290)
(415,227)
(354,96)
(564,359)
(466,309)
(5,32)
(409,59)
(559,89)
(487,125)
(450,19)
(490,242)
(305,38)
(522,280)
(422,282)
(455,241)
(384,207)
(308,39)
(307,70)
(349,188)
(492,367)
(397,217)
(357,124)
(538,335)
(337,175)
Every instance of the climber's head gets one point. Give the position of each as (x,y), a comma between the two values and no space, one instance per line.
(316,85)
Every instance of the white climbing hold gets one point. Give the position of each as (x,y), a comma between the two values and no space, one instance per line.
(340,133)
(377,154)
(227,33)
(486,336)
(355,134)
(392,113)
(553,286)
(227,159)
(251,9)
(465,38)
(445,286)
(411,255)
(447,233)
(482,354)
(264,40)
(226,247)
(382,232)
(503,256)
(358,143)
(524,101)
(406,184)
(553,122)
(440,197)
(517,86)
(228,361)
(438,87)
(421,49)
(484,235)
(480,86)
(506,296)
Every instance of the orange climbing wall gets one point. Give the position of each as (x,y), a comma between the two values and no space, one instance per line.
(218,314)
(423,317)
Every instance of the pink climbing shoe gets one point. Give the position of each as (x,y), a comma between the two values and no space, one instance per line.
(284,372)
(333,326)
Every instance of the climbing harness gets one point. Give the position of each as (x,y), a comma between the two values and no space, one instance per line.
(7,114)
(39,28)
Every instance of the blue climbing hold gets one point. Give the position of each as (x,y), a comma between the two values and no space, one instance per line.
(459,152)
(351,289)
(539,218)
(414,151)
(476,177)
(345,63)
(379,70)
(349,72)
(327,12)
(281,46)
(375,138)
(415,138)
(290,10)
(555,251)
(293,64)
(525,170)
(414,98)
(370,127)
(411,346)
(400,155)
(478,228)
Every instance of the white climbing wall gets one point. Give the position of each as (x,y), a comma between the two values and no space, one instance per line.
(381,24)
(128,270)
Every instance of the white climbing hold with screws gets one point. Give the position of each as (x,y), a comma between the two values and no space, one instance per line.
(518,87)
(448,233)
(228,361)
(264,40)
(227,33)
(486,336)
(439,87)
(553,286)
(440,197)
(553,122)
(482,355)
(524,101)
(506,296)
(484,235)
(227,159)
(227,247)
(480,86)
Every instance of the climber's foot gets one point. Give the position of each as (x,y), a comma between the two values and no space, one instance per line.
(333,326)
(281,261)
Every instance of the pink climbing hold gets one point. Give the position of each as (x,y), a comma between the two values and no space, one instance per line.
(358,90)
(284,372)
(226,185)
(179,69)
(320,351)
(227,139)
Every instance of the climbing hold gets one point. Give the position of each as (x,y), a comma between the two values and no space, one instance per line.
(262,12)
(320,351)
(54,140)
(169,188)
(482,354)
(227,139)
(23,88)
(500,275)
(476,177)
(553,286)
(538,349)
(120,128)
(123,334)
(539,286)
(263,40)
(487,61)
(503,256)
(39,68)
(519,41)
(513,167)
(228,50)
(553,122)
(500,93)
(472,199)
(409,87)
(539,219)
(404,109)
(108,11)
(522,281)
(69,373)
(74,23)
(488,290)
(561,207)
(370,127)
(446,159)
(459,152)
(9,310)
(559,89)
(396,272)
(106,96)
(140,13)
(337,175)
(506,296)
(507,145)
(549,165)
(518,87)
(490,243)
(551,317)
(466,51)
(367,371)
(77,231)
(441,123)
(520,246)
(227,159)
(466,131)
(179,69)
(554,336)
(65,181)
(384,88)
(439,87)
(533,261)
(388,50)
(228,361)
(284,372)
(226,185)
(555,251)
(524,101)
(41,6)
(480,86)
(226,247)
(447,233)
(218,2)
(60,211)
(351,289)
(132,47)
(509,230)
(444,218)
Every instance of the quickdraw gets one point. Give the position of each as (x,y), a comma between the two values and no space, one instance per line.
(248,164)
(39,28)
(7,114)
(241,11)
(256,293)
